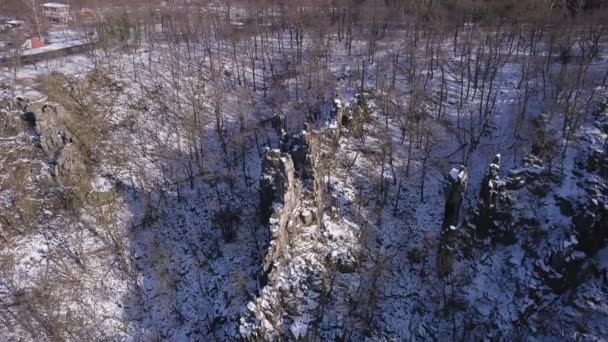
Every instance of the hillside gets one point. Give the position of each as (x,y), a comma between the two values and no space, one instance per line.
(340,173)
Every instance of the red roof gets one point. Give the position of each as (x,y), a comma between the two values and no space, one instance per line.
(37,43)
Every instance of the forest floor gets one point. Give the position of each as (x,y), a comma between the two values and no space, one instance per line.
(154,263)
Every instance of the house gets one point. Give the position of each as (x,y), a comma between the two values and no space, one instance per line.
(15,23)
(56,13)
(8,25)
(33,43)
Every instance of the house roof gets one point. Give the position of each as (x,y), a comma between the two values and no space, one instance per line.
(55,5)
(37,43)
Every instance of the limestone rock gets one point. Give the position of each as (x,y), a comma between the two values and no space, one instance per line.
(102,191)
(307,217)
(279,194)
(71,169)
(591,225)
(455,188)
(494,205)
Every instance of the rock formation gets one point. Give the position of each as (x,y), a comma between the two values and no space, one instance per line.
(298,147)
(455,188)
(338,112)
(47,126)
(563,268)
(493,204)
(279,195)
(570,264)
(286,206)
(591,224)
(292,204)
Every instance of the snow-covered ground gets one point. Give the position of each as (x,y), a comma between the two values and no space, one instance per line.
(153,262)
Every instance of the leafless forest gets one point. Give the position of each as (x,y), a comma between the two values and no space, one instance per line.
(323,170)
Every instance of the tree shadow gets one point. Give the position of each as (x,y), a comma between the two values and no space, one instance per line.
(191,280)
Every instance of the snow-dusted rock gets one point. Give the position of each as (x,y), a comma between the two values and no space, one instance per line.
(492,200)
(455,188)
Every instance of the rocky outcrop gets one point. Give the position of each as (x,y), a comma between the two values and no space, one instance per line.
(292,204)
(598,162)
(10,122)
(287,207)
(68,163)
(591,225)
(506,212)
(298,147)
(279,196)
(51,124)
(338,112)
(565,267)
(70,168)
(590,222)
(304,240)
(354,117)
(44,168)
(568,266)
(47,126)
(455,188)
(494,203)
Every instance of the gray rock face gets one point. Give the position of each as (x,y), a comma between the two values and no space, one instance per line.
(493,202)
(68,162)
(338,112)
(571,264)
(455,188)
(491,184)
(40,154)
(280,206)
(70,167)
(279,196)
(564,266)
(298,147)
(10,122)
(47,120)
(598,162)
(532,170)
(591,224)
(51,124)
(292,204)
(103,191)
(568,266)
(278,122)
(47,125)
(307,217)
(563,269)
(532,177)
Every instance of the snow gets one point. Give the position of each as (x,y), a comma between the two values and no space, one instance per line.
(455,174)
(54,5)
(181,277)
(101,184)
(299,327)
(53,47)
